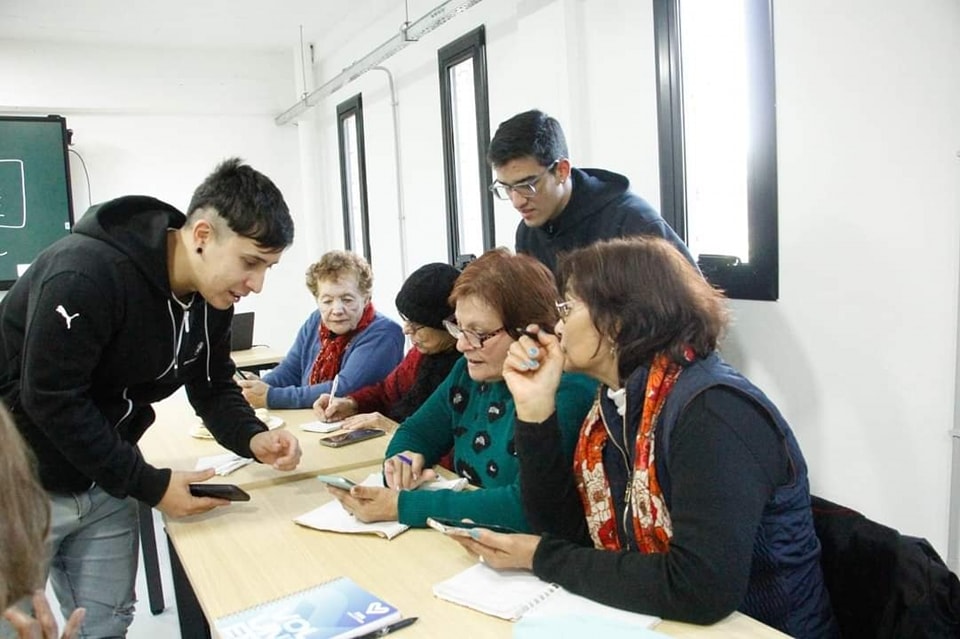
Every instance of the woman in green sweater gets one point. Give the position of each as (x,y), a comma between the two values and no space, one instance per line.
(472,410)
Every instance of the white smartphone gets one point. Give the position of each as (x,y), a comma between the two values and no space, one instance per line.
(455,527)
(321,427)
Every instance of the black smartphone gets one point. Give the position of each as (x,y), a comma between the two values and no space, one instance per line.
(352,437)
(457,527)
(220,491)
(337,480)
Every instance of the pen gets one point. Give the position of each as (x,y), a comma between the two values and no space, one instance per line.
(333,388)
(543,329)
(406,460)
(386,630)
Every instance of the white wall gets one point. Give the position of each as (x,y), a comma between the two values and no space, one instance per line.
(156,122)
(859,352)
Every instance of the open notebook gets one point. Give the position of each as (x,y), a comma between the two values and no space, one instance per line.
(332,516)
(516,594)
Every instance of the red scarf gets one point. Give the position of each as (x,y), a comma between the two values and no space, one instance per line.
(651,520)
(333,346)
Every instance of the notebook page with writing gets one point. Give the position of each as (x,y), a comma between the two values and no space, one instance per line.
(335,609)
(516,594)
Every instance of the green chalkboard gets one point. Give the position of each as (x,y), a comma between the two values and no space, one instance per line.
(35,204)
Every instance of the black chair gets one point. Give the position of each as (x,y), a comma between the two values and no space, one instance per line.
(883,584)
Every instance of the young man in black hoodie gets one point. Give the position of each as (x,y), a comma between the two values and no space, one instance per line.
(563,207)
(131,306)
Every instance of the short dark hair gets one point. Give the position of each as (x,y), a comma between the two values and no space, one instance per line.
(643,294)
(250,204)
(529,133)
(519,288)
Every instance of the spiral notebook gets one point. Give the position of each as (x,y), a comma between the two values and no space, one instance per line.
(512,594)
(336,609)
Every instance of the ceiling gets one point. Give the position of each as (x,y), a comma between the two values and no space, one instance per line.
(215,24)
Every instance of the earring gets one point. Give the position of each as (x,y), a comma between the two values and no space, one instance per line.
(199,250)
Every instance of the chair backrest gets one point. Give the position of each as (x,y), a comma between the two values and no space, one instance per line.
(881,583)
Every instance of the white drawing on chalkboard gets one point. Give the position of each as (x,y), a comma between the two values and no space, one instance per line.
(13,195)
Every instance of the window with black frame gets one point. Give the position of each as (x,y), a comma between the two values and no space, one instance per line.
(718,148)
(353,177)
(465,116)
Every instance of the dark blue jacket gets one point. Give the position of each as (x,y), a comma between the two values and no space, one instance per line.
(602,207)
(786,587)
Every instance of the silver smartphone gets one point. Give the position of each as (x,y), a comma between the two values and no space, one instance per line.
(337,481)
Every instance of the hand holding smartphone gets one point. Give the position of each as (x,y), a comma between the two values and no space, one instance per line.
(462,528)
(337,481)
(352,437)
(220,491)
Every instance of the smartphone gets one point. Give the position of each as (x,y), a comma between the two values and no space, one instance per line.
(337,480)
(321,427)
(220,491)
(352,437)
(457,527)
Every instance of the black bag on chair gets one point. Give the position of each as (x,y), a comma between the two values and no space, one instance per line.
(883,584)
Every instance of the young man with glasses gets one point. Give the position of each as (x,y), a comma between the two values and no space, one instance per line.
(563,207)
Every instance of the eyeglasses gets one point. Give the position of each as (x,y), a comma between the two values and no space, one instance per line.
(524,189)
(565,307)
(476,340)
(414,327)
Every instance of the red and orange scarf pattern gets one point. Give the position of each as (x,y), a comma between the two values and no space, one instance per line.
(333,346)
(651,520)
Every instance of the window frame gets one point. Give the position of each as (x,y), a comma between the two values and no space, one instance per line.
(469,46)
(759,278)
(353,107)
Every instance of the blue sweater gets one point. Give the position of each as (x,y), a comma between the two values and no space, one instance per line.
(369,357)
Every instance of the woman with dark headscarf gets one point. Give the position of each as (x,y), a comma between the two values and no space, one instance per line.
(422,303)
(688,495)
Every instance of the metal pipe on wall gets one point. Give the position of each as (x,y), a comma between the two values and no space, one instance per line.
(408,34)
(401,214)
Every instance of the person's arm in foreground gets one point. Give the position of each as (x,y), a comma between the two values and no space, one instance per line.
(43,625)
(550,498)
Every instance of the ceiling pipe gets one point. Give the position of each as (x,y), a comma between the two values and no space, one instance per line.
(408,33)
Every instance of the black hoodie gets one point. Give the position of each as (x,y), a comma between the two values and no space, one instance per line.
(91,335)
(600,208)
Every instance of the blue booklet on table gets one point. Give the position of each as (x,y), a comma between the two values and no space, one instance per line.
(336,609)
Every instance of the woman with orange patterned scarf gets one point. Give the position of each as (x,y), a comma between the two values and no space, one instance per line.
(344,338)
(688,496)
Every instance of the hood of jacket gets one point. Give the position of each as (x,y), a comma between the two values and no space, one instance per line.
(593,189)
(136,226)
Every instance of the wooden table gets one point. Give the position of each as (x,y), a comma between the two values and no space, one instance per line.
(256,358)
(169,444)
(247,553)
